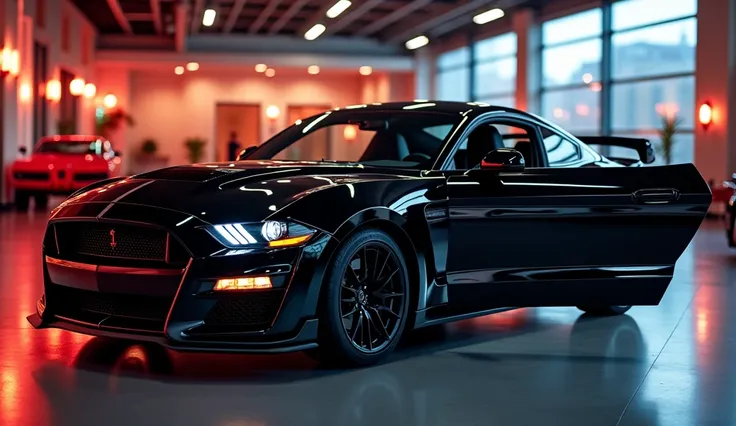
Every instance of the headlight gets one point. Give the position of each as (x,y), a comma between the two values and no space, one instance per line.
(271,233)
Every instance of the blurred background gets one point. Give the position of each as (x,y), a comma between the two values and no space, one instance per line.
(176,81)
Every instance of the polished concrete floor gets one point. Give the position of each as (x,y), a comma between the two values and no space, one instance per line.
(674,364)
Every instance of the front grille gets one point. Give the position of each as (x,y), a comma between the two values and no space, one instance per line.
(121,310)
(253,311)
(90,176)
(31,175)
(84,240)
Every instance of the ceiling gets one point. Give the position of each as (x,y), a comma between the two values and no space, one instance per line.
(387,21)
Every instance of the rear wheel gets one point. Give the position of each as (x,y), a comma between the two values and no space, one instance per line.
(365,303)
(605,310)
(22,200)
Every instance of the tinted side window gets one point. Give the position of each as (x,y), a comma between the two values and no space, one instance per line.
(561,152)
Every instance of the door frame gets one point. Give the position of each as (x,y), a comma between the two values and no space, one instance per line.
(259,135)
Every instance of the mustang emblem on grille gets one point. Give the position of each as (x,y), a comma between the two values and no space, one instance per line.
(112,239)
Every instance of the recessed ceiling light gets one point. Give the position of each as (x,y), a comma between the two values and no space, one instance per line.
(488,16)
(417,42)
(209,17)
(365,70)
(192,66)
(179,70)
(261,68)
(270,72)
(338,8)
(313,69)
(315,32)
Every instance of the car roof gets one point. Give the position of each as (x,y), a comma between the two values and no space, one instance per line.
(69,138)
(471,109)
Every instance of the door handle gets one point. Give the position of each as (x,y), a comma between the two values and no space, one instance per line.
(656,196)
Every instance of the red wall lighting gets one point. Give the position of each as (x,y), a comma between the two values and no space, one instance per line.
(705,114)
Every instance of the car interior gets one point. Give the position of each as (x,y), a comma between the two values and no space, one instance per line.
(489,137)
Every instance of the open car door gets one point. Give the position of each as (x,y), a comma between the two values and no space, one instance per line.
(569,236)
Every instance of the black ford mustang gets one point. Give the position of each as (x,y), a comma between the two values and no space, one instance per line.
(438,211)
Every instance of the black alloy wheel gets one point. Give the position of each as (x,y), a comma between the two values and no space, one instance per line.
(366,301)
(372,297)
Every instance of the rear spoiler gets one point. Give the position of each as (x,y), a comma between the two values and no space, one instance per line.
(642,146)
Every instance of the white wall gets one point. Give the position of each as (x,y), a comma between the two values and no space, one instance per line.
(17,114)
(171,108)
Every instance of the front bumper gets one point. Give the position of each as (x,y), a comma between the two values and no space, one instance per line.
(303,340)
(177,308)
(62,182)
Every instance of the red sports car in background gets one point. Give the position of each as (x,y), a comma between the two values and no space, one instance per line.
(61,165)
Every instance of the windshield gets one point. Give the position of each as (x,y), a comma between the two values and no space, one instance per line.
(408,139)
(92,146)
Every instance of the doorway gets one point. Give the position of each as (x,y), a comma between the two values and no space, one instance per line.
(315,145)
(243,119)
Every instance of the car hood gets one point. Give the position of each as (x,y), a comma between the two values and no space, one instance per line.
(246,191)
(46,161)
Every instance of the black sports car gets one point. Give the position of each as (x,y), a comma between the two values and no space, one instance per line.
(438,211)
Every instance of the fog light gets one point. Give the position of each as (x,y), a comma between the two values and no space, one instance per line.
(245,283)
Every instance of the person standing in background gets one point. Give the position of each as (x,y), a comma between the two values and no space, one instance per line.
(233,147)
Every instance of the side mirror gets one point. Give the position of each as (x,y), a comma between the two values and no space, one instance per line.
(244,153)
(23,151)
(503,160)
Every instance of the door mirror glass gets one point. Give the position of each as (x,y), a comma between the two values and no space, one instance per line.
(244,153)
(503,160)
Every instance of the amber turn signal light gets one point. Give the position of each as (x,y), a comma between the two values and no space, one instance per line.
(245,283)
(289,241)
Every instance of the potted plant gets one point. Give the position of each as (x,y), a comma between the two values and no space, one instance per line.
(148,158)
(670,128)
(111,121)
(195,146)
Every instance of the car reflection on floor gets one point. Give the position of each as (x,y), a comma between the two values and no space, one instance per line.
(456,387)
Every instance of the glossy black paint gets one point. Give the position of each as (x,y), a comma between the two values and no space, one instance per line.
(502,235)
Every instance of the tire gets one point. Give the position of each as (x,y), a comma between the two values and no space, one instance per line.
(22,200)
(42,201)
(604,311)
(362,326)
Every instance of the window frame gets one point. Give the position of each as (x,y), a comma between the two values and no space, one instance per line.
(490,118)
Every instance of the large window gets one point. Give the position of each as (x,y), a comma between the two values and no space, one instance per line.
(571,71)
(494,75)
(653,71)
(452,82)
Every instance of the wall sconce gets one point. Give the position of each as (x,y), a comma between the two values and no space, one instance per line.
(53,90)
(10,62)
(25,92)
(14,63)
(110,101)
(705,115)
(90,90)
(272,112)
(350,133)
(76,87)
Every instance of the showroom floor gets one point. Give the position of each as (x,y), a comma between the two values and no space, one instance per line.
(669,365)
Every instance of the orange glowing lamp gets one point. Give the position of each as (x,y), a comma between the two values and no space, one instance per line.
(244,283)
(705,114)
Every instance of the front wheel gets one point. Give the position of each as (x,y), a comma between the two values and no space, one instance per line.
(605,310)
(22,199)
(365,304)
